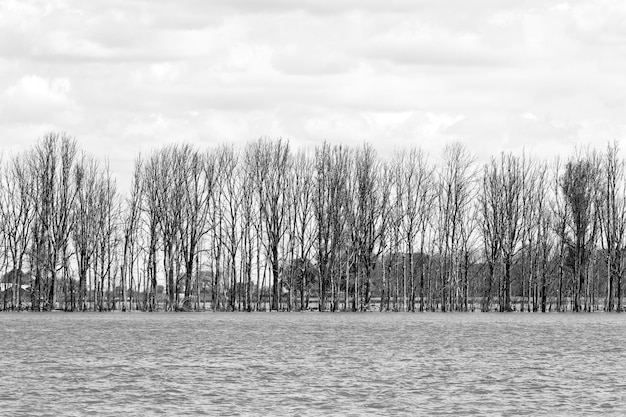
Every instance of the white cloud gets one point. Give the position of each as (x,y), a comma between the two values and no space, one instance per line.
(496,74)
(561,7)
(37,89)
(39,100)
(530,116)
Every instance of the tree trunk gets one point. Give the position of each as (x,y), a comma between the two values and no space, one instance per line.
(275,275)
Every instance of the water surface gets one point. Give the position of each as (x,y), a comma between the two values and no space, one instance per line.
(312,364)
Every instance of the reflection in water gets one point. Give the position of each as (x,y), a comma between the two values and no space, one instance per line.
(312,364)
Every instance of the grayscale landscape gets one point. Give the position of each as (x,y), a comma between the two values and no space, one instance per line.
(312,208)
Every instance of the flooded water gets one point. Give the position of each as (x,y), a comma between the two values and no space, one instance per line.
(312,364)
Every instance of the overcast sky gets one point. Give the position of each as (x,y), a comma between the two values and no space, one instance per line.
(129,75)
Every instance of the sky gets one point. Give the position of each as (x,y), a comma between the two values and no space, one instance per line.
(128,76)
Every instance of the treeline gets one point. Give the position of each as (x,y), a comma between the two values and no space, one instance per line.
(336,228)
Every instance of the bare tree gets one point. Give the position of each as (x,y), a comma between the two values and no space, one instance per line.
(612,214)
(491,212)
(542,224)
(302,232)
(130,226)
(198,180)
(396,252)
(561,218)
(414,203)
(513,177)
(151,223)
(18,214)
(579,186)
(108,214)
(52,162)
(169,198)
(231,214)
(250,222)
(275,157)
(86,221)
(372,203)
(454,189)
(389,225)
(331,167)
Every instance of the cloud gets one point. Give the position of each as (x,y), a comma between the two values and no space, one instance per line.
(315,62)
(34,98)
(497,75)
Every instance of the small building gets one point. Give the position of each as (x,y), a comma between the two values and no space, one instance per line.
(7,281)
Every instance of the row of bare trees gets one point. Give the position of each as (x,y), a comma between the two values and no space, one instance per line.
(266,227)
(59,219)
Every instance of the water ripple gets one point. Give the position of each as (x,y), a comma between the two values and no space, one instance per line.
(312,364)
